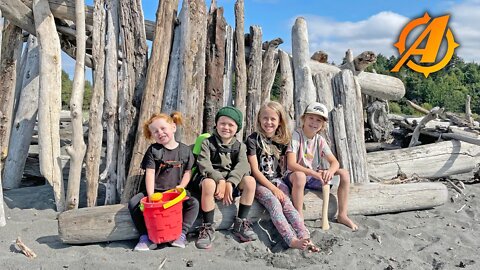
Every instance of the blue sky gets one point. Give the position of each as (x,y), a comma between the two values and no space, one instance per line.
(335,26)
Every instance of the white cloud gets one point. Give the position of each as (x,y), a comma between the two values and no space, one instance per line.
(379,32)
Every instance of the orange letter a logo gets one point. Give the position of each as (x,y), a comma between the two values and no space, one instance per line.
(435,31)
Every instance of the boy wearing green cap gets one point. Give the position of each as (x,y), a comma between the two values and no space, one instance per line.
(224,172)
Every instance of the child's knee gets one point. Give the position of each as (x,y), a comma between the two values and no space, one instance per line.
(344,175)
(298,179)
(208,186)
(248,184)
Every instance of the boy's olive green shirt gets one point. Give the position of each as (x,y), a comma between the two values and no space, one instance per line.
(222,168)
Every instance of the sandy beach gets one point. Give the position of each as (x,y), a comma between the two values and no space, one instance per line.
(445,237)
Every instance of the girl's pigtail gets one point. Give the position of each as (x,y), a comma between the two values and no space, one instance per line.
(177,118)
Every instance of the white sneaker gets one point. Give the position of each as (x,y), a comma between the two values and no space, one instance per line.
(144,244)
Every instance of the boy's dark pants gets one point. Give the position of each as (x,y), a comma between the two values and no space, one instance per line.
(190,212)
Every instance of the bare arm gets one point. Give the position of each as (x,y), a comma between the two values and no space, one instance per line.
(150,181)
(186,178)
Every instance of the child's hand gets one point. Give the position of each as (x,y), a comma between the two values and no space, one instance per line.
(220,192)
(279,194)
(319,175)
(327,175)
(228,198)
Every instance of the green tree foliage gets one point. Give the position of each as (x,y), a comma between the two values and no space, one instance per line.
(446,88)
(67,86)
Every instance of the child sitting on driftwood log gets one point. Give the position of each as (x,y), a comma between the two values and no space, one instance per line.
(304,153)
(167,165)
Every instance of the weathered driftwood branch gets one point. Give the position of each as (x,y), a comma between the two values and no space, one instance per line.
(254,79)
(323,85)
(154,86)
(229,67)
(240,64)
(372,84)
(430,116)
(417,108)
(112,223)
(25,250)
(269,67)
(378,121)
(76,151)
(25,118)
(3,222)
(340,135)
(460,137)
(49,103)
(428,161)
(378,146)
(468,110)
(19,14)
(286,85)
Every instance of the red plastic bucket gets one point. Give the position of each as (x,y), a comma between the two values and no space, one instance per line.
(163,219)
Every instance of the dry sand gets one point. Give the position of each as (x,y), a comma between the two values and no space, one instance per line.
(440,238)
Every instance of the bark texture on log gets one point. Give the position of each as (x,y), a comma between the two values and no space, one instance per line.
(191,85)
(254,79)
(348,95)
(77,150)
(323,85)
(153,93)
(240,64)
(2,210)
(286,85)
(429,161)
(133,72)
(304,89)
(341,139)
(111,102)
(111,223)
(95,127)
(170,94)
(12,37)
(25,118)
(215,65)
(49,103)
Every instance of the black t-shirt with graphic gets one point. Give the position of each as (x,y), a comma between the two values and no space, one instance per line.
(169,164)
(269,165)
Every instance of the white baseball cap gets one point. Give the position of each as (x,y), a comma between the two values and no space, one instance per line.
(318,109)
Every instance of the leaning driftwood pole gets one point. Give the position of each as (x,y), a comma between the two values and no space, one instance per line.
(49,103)
(25,119)
(229,67)
(240,65)
(111,105)
(2,211)
(348,95)
(429,161)
(269,67)
(286,85)
(304,88)
(131,83)
(12,38)
(254,79)
(341,140)
(191,84)
(153,93)
(113,222)
(95,127)
(76,151)
(215,65)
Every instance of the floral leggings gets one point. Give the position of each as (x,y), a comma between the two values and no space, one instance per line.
(283,215)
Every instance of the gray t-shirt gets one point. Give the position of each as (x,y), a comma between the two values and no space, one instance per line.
(308,152)
(169,164)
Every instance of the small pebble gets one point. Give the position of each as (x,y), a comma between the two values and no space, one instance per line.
(189,263)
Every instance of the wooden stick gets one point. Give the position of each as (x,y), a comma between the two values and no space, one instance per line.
(25,250)
(430,116)
(417,107)
(325,198)
(455,186)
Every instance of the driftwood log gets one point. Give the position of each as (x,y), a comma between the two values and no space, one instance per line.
(229,67)
(112,223)
(286,85)
(240,64)
(2,210)
(429,161)
(95,127)
(269,67)
(254,79)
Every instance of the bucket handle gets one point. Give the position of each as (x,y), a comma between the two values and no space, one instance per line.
(178,199)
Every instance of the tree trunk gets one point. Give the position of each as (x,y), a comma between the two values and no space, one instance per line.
(215,65)
(134,70)
(429,161)
(254,80)
(95,127)
(25,119)
(229,67)
(347,94)
(372,84)
(76,150)
(240,65)
(80,226)
(111,102)
(286,86)
(153,93)
(191,85)
(304,89)
(269,68)
(49,100)
(12,37)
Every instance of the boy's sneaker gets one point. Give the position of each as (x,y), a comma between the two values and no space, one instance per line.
(242,228)
(181,242)
(206,236)
(144,244)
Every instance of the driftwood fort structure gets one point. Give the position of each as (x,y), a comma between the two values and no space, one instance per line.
(198,63)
